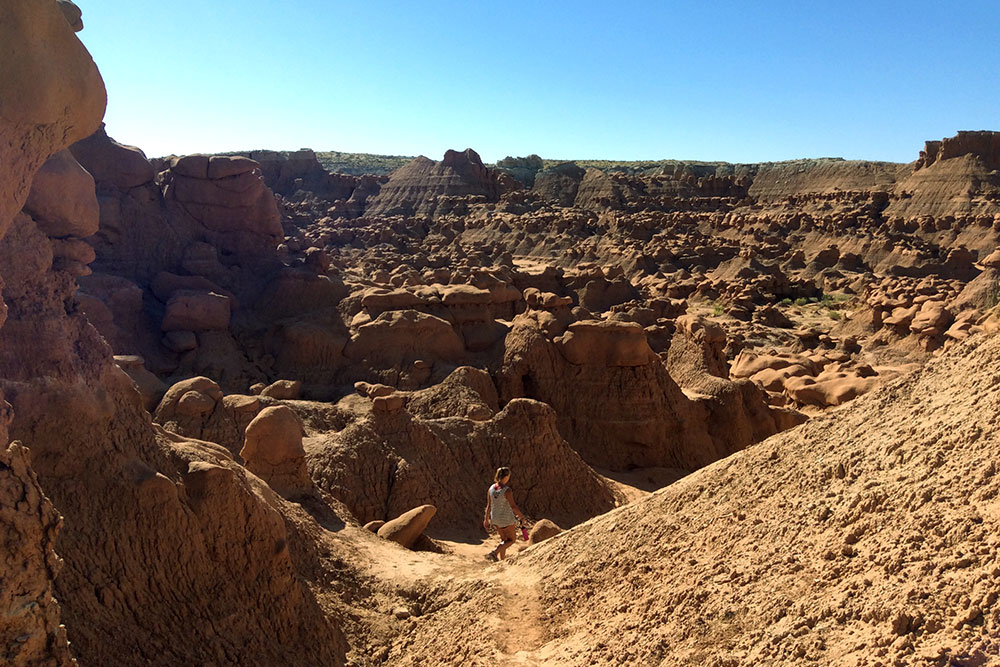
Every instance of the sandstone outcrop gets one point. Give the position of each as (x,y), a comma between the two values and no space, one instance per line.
(625,410)
(381,466)
(150,387)
(658,316)
(55,95)
(196,408)
(466,392)
(91,439)
(421,187)
(227,196)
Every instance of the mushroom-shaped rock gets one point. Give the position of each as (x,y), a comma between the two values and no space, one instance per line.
(605,343)
(195,404)
(406,528)
(543,530)
(538,299)
(273,450)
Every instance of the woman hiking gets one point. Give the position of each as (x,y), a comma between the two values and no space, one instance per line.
(502,512)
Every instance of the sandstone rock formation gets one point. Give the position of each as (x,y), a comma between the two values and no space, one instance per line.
(625,410)
(408,526)
(273,451)
(421,187)
(383,465)
(182,510)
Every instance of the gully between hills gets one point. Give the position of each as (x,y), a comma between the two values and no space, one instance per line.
(234,383)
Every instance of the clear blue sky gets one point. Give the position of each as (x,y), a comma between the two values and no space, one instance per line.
(735,81)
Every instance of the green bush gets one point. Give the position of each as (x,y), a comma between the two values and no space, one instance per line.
(834,315)
(785,302)
(718,309)
(801,301)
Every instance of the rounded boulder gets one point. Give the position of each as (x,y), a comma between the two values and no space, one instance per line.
(409,526)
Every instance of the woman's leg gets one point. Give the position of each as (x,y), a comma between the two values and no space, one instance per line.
(509,535)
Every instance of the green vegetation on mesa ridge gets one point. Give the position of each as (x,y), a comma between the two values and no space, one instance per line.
(370,163)
(360,163)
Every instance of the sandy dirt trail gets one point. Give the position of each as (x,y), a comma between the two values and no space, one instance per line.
(514,625)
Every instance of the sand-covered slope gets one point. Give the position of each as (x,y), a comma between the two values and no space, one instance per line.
(866,536)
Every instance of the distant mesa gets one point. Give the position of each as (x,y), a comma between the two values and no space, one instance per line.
(981,144)
(417,188)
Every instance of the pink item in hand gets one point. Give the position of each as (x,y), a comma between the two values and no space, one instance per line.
(524,533)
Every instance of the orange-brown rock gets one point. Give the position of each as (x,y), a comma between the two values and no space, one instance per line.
(150,387)
(466,392)
(605,343)
(55,95)
(273,451)
(196,408)
(406,528)
(621,416)
(283,390)
(394,340)
(543,530)
(182,511)
(62,199)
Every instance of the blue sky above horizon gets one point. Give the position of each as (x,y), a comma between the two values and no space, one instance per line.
(733,81)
